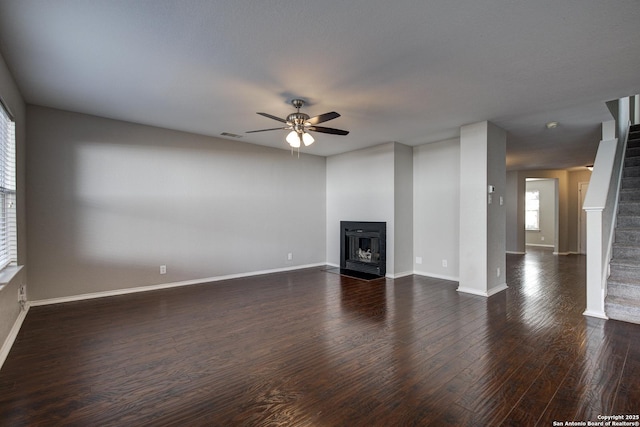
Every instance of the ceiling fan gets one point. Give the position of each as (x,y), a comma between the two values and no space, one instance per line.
(300,124)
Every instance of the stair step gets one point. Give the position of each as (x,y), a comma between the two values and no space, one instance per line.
(624,271)
(623,290)
(628,207)
(628,221)
(625,275)
(618,308)
(632,152)
(629,263)
(624,251)
(632,161)
(631,182)
(630,194)
(628,236)
(631,171)
(633,142)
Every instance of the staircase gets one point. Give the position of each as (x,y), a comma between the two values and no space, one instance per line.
(623,286)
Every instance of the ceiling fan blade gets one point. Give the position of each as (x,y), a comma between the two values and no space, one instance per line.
(264,130)
(332,131)
(323,118)
(273,117)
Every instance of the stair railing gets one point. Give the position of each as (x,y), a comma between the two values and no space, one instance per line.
(601,205)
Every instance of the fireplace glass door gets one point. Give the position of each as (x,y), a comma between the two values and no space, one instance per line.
(364,247)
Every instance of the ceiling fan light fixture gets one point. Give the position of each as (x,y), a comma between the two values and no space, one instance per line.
(293,139)
(307,139)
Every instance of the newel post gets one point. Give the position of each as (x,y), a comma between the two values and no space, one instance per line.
(596,275)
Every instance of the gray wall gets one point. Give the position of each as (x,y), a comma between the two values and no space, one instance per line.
(575,178)
(403,215)
(110,201)
(9,307)
(496,211)
(436,201)
(515,213)
(473,208)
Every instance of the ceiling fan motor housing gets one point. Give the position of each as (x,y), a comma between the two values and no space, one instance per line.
(297,120)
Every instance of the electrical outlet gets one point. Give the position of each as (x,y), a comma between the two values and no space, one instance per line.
(163,269)
(542,238)
(289,256)
(498,272)
(444,263)
(418,260)
(22,293)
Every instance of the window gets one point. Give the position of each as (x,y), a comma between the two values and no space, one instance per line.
(8,234)
(532,210)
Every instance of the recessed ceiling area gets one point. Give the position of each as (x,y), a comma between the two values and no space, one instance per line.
(408,71)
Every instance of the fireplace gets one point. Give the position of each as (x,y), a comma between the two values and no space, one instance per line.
(363,248)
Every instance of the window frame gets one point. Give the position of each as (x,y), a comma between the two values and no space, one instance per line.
(8,189)
(528,209)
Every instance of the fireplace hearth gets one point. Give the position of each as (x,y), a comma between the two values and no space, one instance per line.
(363,249)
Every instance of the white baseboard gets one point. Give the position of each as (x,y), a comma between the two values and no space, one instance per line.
(498,289)
(437,276)
(13,334)
(562,253)
(598,314)
(125,291)
(487,294)
(540,246)
(516,253)
(399,275)
(472,291)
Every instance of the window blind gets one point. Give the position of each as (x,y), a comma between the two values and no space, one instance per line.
(8,229)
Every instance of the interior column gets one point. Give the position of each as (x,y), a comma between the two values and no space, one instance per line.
(482,209)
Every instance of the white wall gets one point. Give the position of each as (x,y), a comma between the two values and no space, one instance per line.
(436,199)
(110,201)
(360,187)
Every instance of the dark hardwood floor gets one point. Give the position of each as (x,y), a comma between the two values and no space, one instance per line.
(313,348)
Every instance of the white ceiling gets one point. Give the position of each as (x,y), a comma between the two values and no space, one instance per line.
(411,71)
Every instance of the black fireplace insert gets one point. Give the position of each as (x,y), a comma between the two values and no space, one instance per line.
(363,248)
